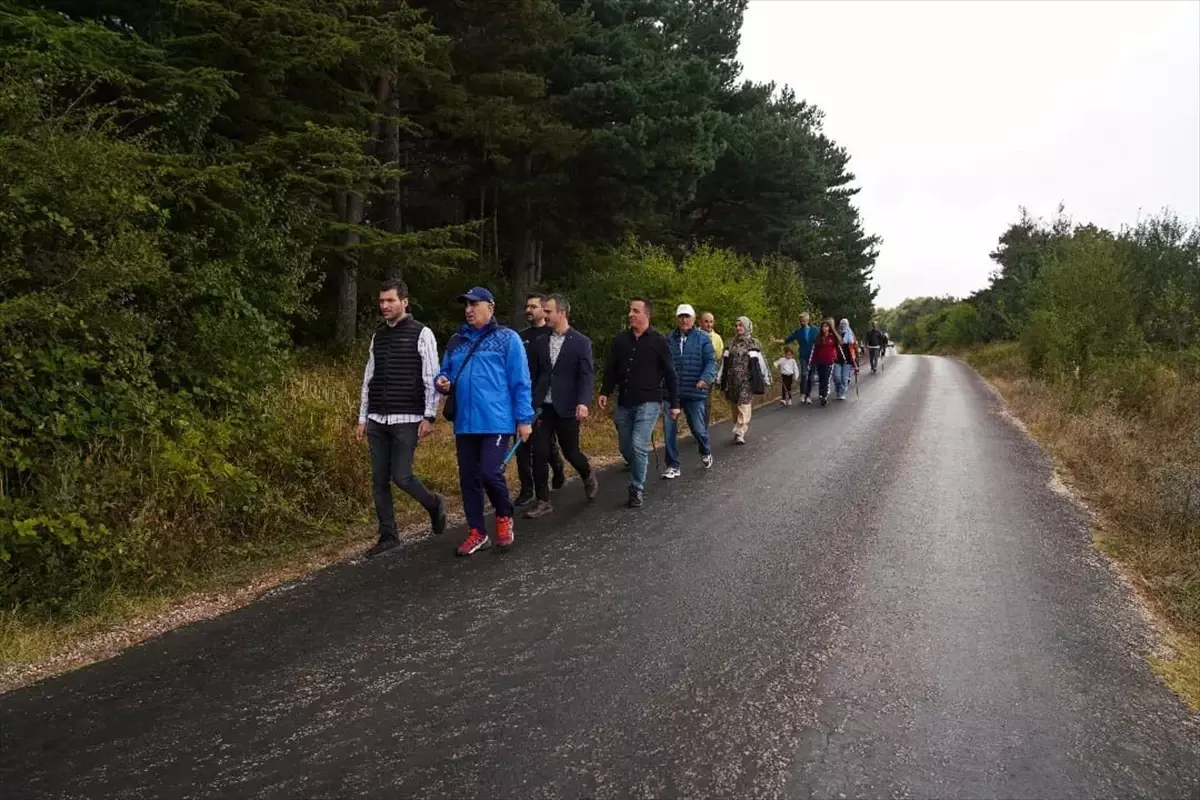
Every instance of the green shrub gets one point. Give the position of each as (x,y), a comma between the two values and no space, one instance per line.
(712,280)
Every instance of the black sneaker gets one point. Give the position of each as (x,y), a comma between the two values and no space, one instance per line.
(437,518)
(384,545)
(524,498)
(558,481)
(635,498)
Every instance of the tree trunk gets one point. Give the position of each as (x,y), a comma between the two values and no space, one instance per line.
(538,273)
(392,218)
(347,307)
(496,222)
(352,211)
(524,261)
(482,220)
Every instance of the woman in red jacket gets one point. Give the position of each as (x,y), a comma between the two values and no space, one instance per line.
(827,351)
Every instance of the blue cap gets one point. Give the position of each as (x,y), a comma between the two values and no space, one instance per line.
(475,295)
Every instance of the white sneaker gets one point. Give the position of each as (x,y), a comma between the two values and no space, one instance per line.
(672,473)
(707,461)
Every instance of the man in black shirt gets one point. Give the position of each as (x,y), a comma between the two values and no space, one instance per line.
(537,329)
(640,366)
(876,343)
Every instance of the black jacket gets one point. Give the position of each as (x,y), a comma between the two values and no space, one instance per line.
(875,338)
(572,378)
(529,335)
(642,369)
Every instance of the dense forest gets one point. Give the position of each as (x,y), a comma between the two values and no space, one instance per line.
(199,197)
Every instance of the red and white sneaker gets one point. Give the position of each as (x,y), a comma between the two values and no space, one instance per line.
(504,532)
(476,540)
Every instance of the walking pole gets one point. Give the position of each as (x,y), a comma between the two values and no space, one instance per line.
(537,420)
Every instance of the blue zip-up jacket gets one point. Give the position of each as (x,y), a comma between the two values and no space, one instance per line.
(695,361)
(493,393)
(804,336)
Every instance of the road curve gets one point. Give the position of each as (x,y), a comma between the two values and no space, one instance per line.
(882,598)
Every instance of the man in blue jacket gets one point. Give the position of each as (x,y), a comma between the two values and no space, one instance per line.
(486,369)
(696,366)
(564,377)
(803,337)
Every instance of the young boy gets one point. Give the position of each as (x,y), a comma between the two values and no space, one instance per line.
(788,370)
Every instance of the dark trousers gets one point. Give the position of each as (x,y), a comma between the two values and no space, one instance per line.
(874,351)
(565,430)
(525,464)
(823,372)
(480,470)
(392,449)
(787,386)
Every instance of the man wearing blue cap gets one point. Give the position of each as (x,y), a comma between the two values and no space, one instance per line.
(485,375)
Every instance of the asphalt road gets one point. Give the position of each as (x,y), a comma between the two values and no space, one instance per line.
(882,598)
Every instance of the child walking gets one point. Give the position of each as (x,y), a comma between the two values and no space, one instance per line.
(788,370)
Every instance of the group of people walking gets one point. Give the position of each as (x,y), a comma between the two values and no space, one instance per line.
(538,384)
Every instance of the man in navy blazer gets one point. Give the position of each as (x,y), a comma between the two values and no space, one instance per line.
(563,376)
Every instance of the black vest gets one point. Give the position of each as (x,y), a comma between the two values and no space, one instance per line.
(397,386)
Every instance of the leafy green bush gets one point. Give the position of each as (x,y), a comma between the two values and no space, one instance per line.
(135,340)
(958,326)
(712,280)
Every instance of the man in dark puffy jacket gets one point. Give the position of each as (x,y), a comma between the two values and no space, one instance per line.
(696,368)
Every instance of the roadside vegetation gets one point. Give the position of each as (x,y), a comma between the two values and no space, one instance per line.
(1093,338)
(199,199)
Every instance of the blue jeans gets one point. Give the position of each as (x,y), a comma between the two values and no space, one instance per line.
(634,426)
(695,412)
(841,377)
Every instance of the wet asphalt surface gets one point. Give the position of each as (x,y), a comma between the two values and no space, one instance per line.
(882,598)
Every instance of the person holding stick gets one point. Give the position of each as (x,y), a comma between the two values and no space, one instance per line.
(485,376)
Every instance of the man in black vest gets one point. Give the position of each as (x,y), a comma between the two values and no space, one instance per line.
(563,376)
(398,407)
(536,331)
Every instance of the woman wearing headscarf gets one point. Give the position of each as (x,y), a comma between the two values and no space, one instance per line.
(847,359)
(744,374)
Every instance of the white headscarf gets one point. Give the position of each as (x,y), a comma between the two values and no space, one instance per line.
(847,334)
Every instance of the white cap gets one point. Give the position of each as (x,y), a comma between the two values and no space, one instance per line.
(685,309)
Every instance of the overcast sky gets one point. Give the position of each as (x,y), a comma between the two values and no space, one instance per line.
(957,112)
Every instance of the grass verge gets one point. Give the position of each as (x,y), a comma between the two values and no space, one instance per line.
(1128,441)
(321,401)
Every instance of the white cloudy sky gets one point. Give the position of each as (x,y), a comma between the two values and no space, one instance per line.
(957,112)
